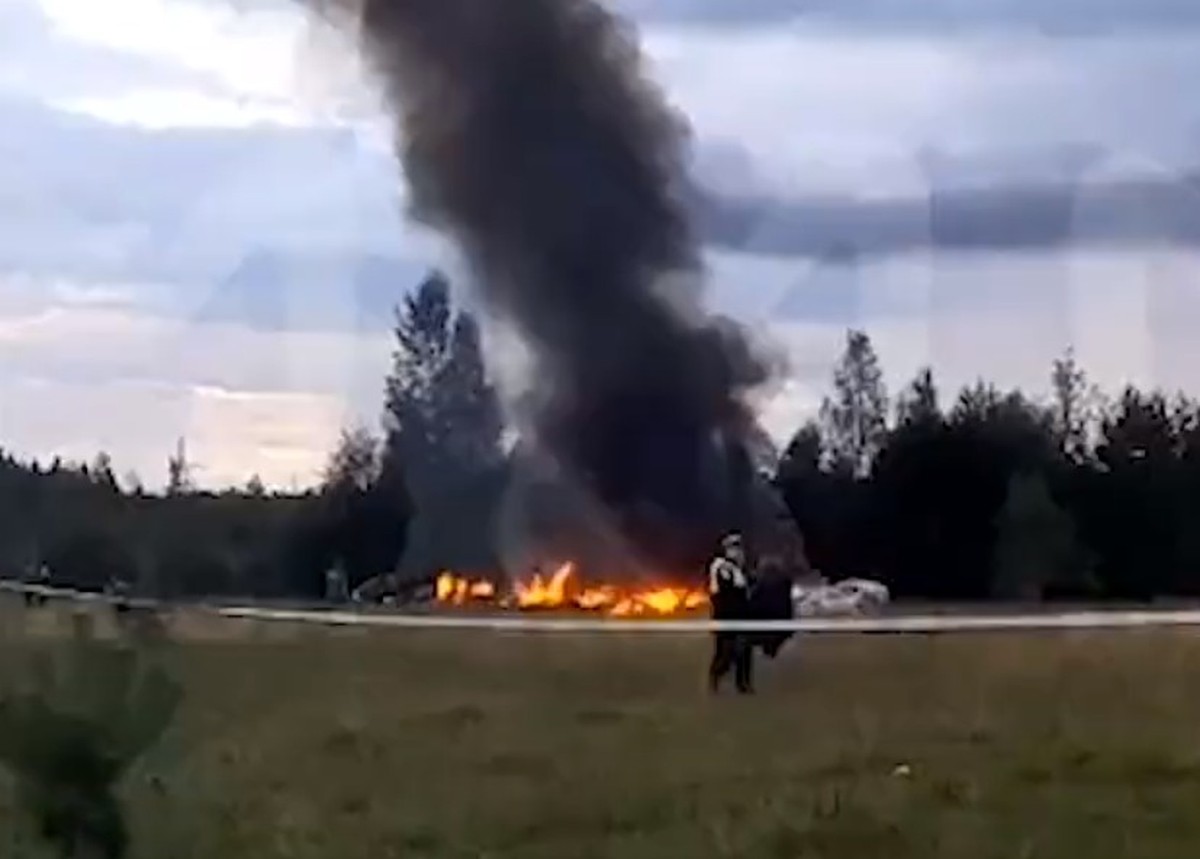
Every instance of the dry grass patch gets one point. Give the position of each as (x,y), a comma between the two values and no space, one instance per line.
(306,743)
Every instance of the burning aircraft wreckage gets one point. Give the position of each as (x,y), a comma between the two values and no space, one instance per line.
(563,590)
(532,138)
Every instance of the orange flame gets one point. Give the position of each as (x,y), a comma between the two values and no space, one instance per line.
(539,593)
(560,590)
(458,591)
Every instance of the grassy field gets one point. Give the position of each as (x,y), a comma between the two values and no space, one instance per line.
(306,743)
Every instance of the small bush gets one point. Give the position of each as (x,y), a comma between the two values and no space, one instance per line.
(73,719)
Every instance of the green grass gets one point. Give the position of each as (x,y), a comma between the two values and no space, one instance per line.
(295,743)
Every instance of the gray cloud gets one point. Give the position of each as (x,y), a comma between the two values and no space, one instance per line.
(1020,217)
(82,198)
(218,216)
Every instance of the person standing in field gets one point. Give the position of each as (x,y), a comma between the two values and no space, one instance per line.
(336,584)
(40,578)
(117,590)
(729,595)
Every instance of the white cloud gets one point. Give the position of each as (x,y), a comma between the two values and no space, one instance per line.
(78,379)
(249,52)
(91,344)
(38,60)
(285,438)
(279,436)
(158,109)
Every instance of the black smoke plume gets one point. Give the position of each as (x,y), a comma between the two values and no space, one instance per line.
(531,135)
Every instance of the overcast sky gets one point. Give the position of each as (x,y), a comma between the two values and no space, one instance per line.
(200,229)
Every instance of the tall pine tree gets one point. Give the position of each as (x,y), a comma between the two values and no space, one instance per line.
(855,419)
(416,439)
(442,414)
(1073,406)
(467,400)
(443,423)
(918,404)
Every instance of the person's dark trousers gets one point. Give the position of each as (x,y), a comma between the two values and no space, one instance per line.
(723,657)
(732,651)
(743,663)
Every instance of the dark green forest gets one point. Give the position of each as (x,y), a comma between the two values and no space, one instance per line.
(974,494)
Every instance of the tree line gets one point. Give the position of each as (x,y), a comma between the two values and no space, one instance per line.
(383,497)
(993,494)
(982,494)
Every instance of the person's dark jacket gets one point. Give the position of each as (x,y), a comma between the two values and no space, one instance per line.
(728,589)
(771,599)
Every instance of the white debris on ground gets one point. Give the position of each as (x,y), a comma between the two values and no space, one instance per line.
(854,597)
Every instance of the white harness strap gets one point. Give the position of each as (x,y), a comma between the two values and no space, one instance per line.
(723,572)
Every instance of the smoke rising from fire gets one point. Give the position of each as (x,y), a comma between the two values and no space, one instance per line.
(532,137)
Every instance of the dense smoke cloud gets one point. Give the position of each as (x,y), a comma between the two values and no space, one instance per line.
(531,136)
